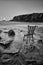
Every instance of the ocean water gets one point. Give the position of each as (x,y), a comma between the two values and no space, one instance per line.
(20,30)
(18,44)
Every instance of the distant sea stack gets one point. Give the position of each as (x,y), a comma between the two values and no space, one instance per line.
(34,17)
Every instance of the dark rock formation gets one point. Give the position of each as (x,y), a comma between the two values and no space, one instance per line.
(34,17)
(11,33)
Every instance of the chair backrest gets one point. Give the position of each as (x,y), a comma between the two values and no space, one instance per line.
(31,29)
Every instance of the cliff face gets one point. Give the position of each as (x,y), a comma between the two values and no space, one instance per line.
(34,17)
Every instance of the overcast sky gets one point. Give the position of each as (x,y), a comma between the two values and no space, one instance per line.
(11,8)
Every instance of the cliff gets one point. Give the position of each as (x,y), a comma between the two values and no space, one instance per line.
(34,17)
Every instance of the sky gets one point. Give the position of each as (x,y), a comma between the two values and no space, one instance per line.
(11,8)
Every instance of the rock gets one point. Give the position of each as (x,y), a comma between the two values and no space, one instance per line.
(34,17)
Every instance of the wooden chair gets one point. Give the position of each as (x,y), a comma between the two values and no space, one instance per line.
(30,32)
